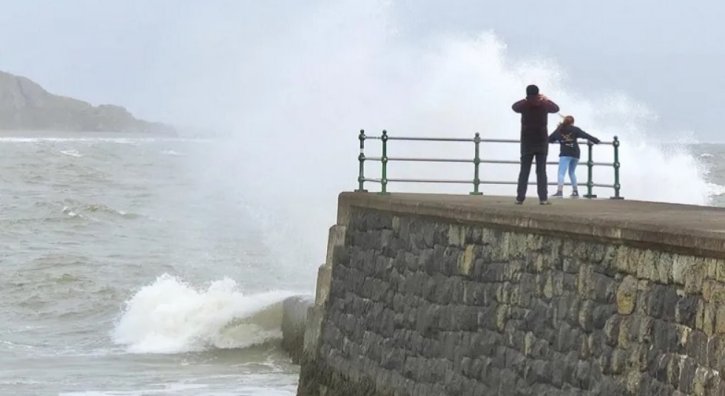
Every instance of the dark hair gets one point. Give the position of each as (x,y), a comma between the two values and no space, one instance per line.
(532,90)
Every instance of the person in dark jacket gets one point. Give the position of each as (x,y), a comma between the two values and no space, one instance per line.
(567,134)
(534,111)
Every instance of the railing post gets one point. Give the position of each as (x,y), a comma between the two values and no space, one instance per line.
(616,169)
(361,159)
(476,162)
(590,166)
(384,160)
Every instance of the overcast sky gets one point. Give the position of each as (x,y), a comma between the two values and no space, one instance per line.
(150,55)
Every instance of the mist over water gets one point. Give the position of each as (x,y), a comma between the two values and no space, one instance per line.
(343,68)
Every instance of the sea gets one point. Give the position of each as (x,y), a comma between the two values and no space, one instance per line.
(125,271)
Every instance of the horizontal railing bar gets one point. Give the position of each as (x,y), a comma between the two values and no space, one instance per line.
(421,139)
(499,182)
(430,139)
(430,181)
(403,159)
(429,159)
(500,141)
(513,183)
(500,162)
(435,139)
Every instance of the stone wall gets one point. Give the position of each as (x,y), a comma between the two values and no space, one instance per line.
(414,305)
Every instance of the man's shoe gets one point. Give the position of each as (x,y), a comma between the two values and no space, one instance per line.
(558,194)
(519,202)
(544,203)
(575,194)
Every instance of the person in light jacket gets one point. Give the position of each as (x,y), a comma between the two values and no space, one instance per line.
(566,134)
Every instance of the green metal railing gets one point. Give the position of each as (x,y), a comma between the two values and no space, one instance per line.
(476,160)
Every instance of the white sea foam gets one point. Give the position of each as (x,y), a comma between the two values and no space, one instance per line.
(715,189)
(164,389)
(71,153)
(186,389)
(171,316)
(70,212)
(172,153)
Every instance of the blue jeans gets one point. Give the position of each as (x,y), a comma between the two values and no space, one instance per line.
(570,163)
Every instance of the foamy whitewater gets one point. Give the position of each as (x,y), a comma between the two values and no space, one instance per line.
(142,266)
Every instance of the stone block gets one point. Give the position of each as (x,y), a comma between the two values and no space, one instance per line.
(456,235)
(686,310)
(583,374)
(688,369)
(665,336)
(502,314)
(619,361)
(719,269)
(627,295)
(601,314)
(708,318)
(611,330)
(694,276)
(585,317)
(626,326)
(628,259)
(604,288)
(717,293)
(570,265)
(661,302)
(647,266)
(596,343)
(466,260)
(704,379)
(720,318)
(697,347)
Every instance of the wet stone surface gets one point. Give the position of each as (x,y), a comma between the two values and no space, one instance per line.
(422,307)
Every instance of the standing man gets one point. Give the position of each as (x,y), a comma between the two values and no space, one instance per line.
(534,111)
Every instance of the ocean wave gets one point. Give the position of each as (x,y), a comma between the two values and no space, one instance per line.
(119,140)
(715,189)
(170,316)
(172,152)
(83,210)
(163,389)
(71,153)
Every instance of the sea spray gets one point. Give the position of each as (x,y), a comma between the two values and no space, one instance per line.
(171,316)
(296,147)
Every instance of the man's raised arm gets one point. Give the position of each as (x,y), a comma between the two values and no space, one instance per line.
(519,106)
(551,107)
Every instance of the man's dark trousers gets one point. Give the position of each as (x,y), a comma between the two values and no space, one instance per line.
(541,181)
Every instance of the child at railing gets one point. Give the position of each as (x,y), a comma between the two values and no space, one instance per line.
(567,134)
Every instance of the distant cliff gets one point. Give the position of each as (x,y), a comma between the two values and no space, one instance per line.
(25,105)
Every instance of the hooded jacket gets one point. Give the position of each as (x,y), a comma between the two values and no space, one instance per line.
(534,116)
(567,135)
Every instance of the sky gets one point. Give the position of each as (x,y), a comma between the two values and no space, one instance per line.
(214,63)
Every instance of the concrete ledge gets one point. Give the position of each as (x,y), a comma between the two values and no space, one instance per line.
(686,229)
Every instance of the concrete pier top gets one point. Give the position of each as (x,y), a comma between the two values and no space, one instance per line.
(687,229)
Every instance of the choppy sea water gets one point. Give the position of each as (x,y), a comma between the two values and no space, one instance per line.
(125,269)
